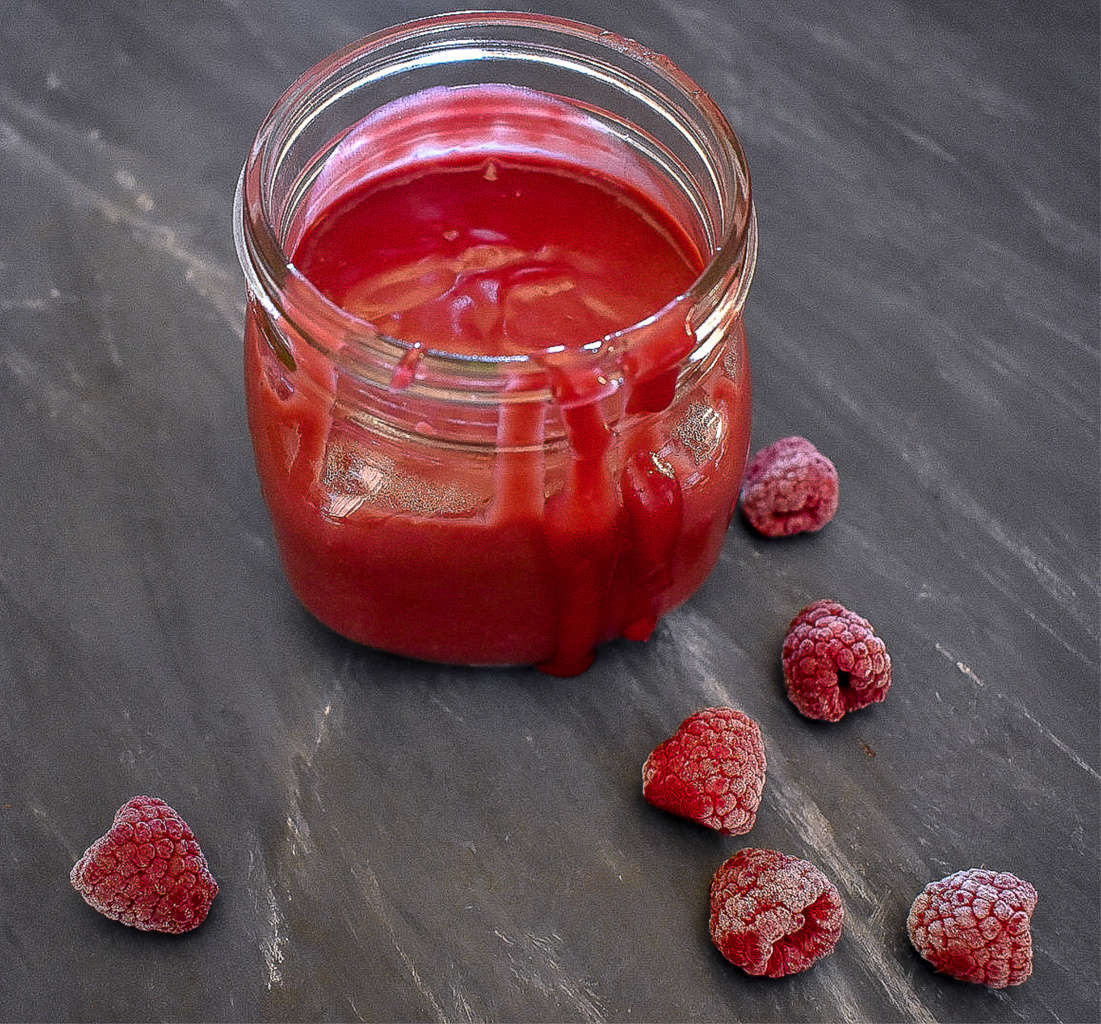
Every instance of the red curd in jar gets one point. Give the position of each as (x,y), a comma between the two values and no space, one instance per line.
(548,450)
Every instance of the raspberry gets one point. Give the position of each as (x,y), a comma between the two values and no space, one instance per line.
(790,487)
(974,925)
(712,771)
(147,871)
(773,914)
(833,662)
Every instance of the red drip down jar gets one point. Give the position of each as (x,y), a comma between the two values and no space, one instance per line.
(495,367)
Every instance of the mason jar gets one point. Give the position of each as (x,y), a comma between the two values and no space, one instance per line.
(489,509)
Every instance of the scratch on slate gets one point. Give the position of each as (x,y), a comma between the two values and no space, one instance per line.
(1044,731)
(36,303)
(1016,600)
(355,1009)
(377,901)
(50,826)
(965,669)
(848,1012)
(326,723)
(932,472)
(918,139)
(273,941)
(536,963)
(299,842)
(890,976)
(214,284)
(796,805)
(462,1007)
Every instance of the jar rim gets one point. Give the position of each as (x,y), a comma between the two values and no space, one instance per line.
(270,271)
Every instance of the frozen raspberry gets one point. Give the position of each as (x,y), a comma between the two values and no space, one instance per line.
(147,871)
(773,914)
(833,662)
(712,771)
(790,487)
(974,925)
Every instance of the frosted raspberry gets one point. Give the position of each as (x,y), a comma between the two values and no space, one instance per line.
(773,914)
(790,487)
(147,871)
(833,662)
(712,771)
(974,925)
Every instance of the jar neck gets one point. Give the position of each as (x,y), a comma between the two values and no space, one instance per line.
(683,154)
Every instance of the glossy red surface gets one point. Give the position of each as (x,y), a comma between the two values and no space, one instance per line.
(497,255)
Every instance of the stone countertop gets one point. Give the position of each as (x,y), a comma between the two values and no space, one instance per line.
(398,841)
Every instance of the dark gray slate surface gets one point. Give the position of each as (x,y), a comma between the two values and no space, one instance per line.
(398,841)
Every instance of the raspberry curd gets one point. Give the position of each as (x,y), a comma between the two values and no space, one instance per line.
(511,428)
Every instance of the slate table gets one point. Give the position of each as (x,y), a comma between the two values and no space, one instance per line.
(399,841)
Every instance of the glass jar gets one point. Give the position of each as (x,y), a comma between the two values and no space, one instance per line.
(488,509)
